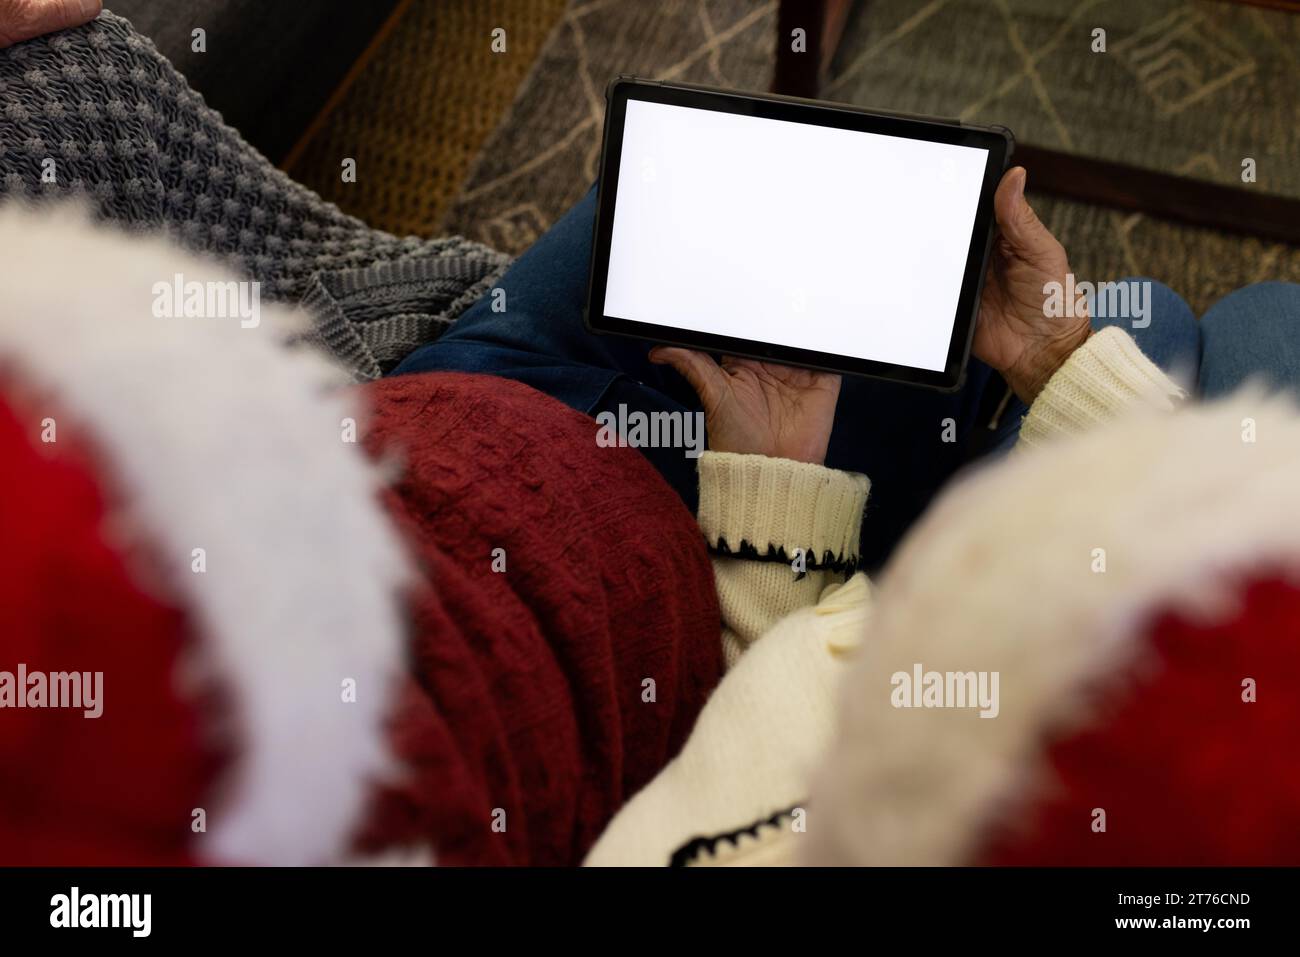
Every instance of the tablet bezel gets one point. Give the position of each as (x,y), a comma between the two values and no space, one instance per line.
(997,141)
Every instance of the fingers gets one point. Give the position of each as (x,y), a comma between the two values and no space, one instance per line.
(1021,228)
(25,19)
(704,375)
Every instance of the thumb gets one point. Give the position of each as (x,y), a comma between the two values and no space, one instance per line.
(704,375)
(33,18)
(1019,224)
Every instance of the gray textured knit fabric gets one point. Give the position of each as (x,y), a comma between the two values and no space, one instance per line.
(126,131)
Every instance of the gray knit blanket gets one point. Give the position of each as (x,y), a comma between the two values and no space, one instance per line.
(126,132)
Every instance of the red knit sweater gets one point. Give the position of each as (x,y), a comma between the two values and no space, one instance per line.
(528,708)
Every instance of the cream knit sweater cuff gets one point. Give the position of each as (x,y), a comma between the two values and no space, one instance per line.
(752,506)
(1104,376)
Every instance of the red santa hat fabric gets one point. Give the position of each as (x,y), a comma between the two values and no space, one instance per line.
(86,783)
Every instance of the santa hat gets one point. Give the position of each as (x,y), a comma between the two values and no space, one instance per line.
(186,513)
(1134,592)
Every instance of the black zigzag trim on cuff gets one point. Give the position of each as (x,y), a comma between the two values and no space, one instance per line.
(828,562)
(698,848)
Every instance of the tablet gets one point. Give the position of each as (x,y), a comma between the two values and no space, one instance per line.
(806,233)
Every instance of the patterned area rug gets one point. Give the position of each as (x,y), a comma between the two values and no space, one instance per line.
(1185,87)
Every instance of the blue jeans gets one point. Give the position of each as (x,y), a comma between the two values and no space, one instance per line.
(909,440)
(1251,334)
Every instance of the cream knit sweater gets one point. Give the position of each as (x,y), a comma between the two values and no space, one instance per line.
(785,533)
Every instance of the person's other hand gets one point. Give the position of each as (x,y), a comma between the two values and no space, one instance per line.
(1013,334)
(759,408)
(24,19)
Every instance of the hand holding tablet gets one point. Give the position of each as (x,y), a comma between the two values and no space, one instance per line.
(1013,334)
(760,408)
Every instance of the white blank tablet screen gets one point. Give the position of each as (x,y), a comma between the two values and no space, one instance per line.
(833,240)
